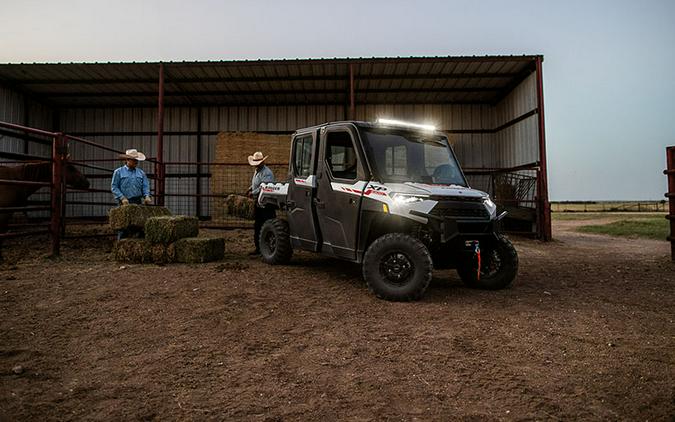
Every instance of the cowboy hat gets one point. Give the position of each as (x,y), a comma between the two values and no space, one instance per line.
(133,154)
(256,158)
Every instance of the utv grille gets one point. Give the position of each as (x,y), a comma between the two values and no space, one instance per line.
(461,210)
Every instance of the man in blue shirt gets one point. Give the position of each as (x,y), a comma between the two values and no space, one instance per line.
(130,184)
(262,174)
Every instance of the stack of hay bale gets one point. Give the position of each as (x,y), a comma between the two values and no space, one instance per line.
(168,238)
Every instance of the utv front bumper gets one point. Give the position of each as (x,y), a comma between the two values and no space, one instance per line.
(454,229)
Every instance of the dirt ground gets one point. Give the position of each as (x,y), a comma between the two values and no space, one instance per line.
(586,332)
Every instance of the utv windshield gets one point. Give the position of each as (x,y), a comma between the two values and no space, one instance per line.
(408,156)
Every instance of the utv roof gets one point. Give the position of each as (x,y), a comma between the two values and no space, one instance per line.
(363,124)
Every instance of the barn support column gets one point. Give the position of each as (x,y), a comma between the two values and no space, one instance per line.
(352,102)
(57,191)
(159,166)
(670,172)
(198,198)
(543,206)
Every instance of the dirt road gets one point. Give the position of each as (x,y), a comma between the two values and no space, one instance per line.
(586,332)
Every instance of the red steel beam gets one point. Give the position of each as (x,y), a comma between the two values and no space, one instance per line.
(58,156)
(670,172)
(352,98)
(544,208)
(23,182)
(27,129)
(159,168)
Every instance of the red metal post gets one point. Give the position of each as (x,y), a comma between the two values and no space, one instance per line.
(352,101)
(670,172)
(543,206)
(58,156)
(159,166)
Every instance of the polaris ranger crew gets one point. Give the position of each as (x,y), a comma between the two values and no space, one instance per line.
(391,196)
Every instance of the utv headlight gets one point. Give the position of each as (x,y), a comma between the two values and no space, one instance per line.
(491,206)
(408,199)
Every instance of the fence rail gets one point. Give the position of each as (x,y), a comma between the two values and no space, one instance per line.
(609,206)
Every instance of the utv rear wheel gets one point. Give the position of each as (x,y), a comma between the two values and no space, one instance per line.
(498,269)
(275,242)
(397,267)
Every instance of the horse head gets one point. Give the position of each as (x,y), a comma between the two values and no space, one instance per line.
(75,179)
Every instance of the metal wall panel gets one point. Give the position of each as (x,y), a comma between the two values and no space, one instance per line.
(518,144)
(513,146)
(473,150)
(16,108)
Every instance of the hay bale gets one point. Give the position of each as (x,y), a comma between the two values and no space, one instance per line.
(140,251)
(191,250)
(169,228)
(239,206)
(133,216)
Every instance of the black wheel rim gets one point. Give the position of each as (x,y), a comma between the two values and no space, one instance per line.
(491,264)
(396,268)
(270,242)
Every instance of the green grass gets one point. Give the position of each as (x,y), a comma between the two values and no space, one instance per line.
(567,216)
(650,228)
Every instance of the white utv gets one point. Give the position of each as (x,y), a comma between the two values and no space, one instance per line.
(391,196)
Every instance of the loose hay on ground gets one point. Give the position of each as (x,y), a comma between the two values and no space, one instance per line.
(132,215)
(168,229)
(193,250)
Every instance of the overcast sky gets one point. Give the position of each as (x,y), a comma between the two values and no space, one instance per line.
(609,69)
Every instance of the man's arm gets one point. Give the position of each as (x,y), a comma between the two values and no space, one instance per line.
(146,186)
(115,185)
(268,176)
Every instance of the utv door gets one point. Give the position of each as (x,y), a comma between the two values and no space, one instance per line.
(341,180)
(302,189)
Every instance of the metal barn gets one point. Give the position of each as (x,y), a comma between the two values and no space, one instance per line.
(491,106)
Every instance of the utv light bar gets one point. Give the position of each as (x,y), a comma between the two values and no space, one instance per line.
(392,122)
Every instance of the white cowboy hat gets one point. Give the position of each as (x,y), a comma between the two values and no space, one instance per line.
(256,158)
(133,154)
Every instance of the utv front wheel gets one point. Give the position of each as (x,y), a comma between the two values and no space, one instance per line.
(397,267)
(498,268)
(275,242)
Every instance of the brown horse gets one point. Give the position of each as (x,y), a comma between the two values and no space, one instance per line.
(16,196)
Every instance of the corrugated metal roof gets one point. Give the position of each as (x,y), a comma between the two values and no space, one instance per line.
(408,80)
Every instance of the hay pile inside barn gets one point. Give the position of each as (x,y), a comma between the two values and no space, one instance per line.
(197,250)
(167,229)
(239,206)
(133,216)
(234,148)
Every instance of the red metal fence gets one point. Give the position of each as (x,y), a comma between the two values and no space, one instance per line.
(670,172)
(211,182)
(191,187)
(55,185)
